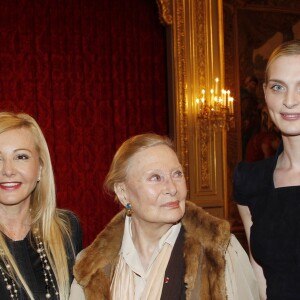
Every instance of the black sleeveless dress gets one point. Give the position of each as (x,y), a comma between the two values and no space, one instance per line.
(275,233)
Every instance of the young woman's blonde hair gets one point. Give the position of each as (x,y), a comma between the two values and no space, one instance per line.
(118,168)
(52,224)
(288,48)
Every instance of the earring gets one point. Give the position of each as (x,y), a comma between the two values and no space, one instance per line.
(128,209)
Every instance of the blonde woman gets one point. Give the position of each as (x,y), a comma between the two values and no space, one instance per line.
(38,242)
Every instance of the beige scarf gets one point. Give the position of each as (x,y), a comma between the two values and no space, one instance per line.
(123,286)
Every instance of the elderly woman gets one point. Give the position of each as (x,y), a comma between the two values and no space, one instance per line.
(161,246)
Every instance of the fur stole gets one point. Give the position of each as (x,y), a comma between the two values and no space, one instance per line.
(205,242)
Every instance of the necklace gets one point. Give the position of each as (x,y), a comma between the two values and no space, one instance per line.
(9,278)
(46,268)
(10,286)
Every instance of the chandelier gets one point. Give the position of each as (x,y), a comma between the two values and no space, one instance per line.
(215,107)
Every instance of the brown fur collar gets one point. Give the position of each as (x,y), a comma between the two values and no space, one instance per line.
(203,234)
(210,236)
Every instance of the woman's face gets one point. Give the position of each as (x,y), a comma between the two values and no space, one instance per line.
(155,186)
(282,93)
(19,166)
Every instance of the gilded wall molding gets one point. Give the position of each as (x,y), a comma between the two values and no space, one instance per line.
(180,85)
(202,177)
(175,11)
(165,11)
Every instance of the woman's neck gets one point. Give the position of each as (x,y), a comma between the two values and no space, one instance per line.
(290,157)
(15,221)
(146,238)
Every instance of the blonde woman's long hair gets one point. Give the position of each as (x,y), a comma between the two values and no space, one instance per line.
(52,224)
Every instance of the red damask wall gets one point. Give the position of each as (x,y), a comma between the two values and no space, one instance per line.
(92,73)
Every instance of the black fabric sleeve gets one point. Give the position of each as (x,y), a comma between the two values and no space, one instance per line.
(76,232)
(252,180)
(74,246)
(239,191)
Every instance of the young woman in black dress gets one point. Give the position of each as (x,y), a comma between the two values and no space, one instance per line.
(268,191)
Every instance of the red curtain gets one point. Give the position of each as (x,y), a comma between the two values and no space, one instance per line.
(92,72)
